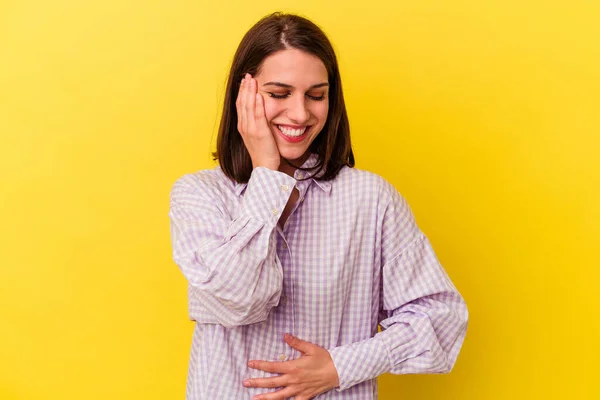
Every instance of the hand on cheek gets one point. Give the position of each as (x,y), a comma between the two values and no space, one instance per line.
(253,126)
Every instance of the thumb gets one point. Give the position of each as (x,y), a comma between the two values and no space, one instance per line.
(302,346)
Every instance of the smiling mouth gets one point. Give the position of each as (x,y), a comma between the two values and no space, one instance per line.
(293,135)
(291,132)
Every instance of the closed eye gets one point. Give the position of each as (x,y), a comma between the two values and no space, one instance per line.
(283,96)
(319,98)
(278,96)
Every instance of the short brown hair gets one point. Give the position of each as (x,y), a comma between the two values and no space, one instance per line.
(276,32)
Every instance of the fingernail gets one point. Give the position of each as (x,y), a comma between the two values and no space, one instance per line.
(247,76)
(246,383)
(250,364)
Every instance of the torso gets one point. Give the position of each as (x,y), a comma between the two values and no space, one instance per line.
(327,247)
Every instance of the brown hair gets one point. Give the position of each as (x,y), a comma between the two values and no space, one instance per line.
(276,32)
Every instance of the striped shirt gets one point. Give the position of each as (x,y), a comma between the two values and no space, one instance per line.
(349,258)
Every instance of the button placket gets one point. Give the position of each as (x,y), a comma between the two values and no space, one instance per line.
(285,309)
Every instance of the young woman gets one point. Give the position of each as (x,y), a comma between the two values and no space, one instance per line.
(286,238)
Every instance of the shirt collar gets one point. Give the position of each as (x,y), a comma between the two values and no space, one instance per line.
(239,188)
(310,162)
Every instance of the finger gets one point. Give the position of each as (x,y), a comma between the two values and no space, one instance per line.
(302,346)
(268,366)
(259,110)
(277,381)
(259,114)
(282,394)
(250,106)
(239,105)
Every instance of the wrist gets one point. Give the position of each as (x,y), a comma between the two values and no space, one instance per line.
(270,165)
(335,379)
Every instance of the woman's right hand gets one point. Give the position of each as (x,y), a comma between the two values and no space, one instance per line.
(253,126)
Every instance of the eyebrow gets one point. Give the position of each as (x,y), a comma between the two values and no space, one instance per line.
(285,85)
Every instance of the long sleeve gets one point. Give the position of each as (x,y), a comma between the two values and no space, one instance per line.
(424,316)
(229,261)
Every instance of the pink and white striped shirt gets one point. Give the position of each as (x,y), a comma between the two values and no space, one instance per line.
(349,258)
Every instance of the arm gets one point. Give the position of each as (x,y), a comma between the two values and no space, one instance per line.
(230,264)
(425,317)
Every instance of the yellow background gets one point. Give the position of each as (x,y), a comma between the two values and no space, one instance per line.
(484,114)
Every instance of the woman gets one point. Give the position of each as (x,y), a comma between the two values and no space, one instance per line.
(286,237)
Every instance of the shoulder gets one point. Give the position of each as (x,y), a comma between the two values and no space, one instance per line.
(355,177)
(369,184)
(205,183)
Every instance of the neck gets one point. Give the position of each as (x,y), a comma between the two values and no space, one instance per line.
(286,168)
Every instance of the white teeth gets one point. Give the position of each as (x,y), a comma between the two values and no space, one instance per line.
(291,132)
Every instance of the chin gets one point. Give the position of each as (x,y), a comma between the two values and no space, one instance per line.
(292,154)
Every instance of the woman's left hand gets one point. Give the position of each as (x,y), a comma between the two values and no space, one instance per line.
(308,376)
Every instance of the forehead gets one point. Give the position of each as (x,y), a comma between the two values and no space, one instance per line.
(294,67)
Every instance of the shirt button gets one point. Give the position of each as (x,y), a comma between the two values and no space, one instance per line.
(274,211)
(285,188)
(282,357)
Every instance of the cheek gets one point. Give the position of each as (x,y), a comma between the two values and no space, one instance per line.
(321,111)
(272,108)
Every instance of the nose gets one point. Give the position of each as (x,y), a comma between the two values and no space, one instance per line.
(297,110)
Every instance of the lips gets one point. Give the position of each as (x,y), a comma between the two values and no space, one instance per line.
(293,134)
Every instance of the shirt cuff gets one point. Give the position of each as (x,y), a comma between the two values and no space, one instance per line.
(267,194)
(361,361)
